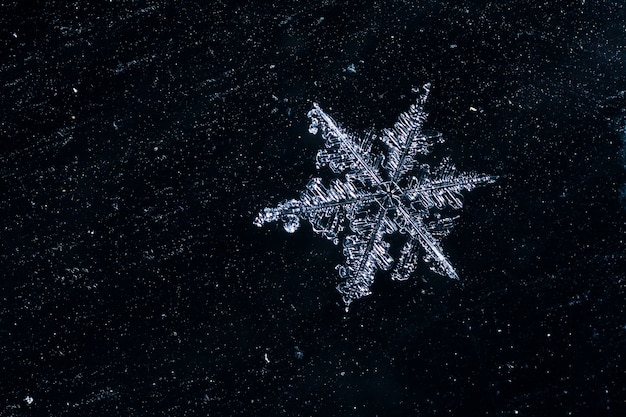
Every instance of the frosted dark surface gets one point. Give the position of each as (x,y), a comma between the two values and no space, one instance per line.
(138,139)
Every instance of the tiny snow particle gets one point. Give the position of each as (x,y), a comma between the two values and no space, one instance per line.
(29,400)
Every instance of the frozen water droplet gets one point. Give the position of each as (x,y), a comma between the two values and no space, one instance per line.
(292,222)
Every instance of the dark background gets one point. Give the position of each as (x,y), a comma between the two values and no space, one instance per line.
(139,139)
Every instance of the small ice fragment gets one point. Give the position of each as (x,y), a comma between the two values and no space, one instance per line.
(267,359)
(299,354)
(29,400)
(351,68)
(472,108)
(74,90)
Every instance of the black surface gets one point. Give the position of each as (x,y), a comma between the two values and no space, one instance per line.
(134,283)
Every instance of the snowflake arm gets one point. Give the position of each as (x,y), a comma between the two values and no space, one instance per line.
(344,151)
(412,222)
(325,208)
(407,139)
(365,253)
(443,187)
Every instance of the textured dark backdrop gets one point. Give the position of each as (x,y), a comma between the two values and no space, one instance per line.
(138,140)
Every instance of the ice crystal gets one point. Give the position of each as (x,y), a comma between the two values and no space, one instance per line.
(379,194)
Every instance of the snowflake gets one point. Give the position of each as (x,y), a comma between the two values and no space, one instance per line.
(378,195)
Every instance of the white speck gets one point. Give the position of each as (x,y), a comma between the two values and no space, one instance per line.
(453,46)
(29,400)
(74,90)
(156,148)
(548,334)
(15,35)
(267,359)
(115,126)
(472,108)
(351,68)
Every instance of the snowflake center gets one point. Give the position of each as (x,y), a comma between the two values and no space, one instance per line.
(393,194)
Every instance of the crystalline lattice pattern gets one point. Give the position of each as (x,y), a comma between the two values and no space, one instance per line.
(375,195)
